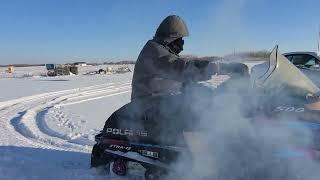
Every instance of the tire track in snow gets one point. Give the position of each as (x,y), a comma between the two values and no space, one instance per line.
(22,113)
(13,137)
(86,96)
(15,122)
(94,98)
(29,121)
(32,98)
(43,127)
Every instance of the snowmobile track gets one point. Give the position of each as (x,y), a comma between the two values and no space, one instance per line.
(19,118)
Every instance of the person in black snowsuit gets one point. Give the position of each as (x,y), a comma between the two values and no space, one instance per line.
(159,70)
(167,83)
(163,84)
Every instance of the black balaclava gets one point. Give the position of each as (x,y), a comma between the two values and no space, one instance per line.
(177,45)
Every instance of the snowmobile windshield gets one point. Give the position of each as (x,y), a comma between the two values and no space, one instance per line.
(283,74)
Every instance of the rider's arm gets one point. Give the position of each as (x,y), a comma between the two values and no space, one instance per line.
(231,69)
(182,69)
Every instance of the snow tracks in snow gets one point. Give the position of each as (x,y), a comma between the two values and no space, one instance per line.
(20,124)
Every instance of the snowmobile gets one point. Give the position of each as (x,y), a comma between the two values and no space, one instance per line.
(138,133)
(151,131)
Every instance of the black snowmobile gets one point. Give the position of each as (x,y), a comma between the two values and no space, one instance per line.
(141,131)
(151,131)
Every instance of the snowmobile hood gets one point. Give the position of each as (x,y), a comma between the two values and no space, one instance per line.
(283,74)
(170,29)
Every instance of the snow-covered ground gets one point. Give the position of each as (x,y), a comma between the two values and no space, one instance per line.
(48,124)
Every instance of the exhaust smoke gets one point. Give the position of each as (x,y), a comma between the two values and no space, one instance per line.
(235,140)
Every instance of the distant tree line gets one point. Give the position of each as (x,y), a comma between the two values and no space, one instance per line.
(120,62)
(207,58)
(21,65)
(255,54)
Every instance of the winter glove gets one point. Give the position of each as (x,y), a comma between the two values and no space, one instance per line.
(208,70)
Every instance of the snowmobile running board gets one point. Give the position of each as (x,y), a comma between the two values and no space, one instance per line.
(137,157)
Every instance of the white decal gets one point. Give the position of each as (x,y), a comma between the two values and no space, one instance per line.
(128,148)
(289,109)
(127,132)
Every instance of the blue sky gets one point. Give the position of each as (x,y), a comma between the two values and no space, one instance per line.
(42,31)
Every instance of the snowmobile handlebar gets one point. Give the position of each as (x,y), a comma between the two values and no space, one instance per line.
(233,68)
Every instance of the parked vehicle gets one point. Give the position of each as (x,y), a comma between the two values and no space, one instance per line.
(61,69)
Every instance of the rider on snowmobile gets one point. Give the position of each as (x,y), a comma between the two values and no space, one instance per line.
(158,113)
(160,70)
